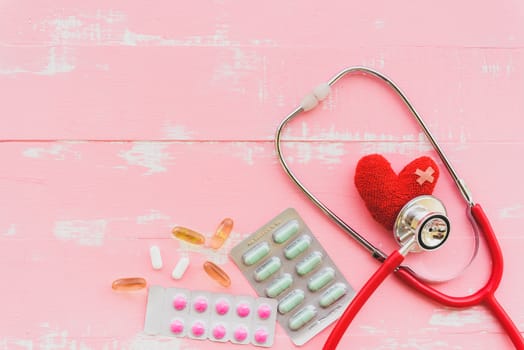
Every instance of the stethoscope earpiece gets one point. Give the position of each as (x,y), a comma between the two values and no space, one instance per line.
(422,224)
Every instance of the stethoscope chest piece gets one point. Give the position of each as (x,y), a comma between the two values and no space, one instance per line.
(425,219)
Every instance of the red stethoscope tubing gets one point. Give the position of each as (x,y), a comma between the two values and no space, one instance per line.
(485,295)
(388,266)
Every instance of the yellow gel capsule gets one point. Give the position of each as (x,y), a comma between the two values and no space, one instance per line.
(221,234)
(217,274)
(129,284)
(188,235)
(302,317)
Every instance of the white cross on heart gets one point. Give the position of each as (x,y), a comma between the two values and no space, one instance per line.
(424,176)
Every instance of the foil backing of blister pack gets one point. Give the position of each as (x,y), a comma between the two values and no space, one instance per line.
(220,317)
(283,260)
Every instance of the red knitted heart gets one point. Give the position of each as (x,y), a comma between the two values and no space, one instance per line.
(385,192)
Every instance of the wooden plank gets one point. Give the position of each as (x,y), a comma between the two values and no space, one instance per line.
(229,93)
(290,24)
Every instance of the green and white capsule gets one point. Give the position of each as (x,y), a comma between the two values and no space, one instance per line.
(279,285)
(291,301)
(267,269)
(256,253)
(309,263)
(302,317)
(321,279)
(332,294)
(297,247)
(285,232)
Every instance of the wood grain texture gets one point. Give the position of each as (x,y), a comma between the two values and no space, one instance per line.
(123,119)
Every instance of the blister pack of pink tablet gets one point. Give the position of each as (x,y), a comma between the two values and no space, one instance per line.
(214,316)
(283,260)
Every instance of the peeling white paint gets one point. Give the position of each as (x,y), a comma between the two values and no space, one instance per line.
(491,68)
(102,67)
(247,151)
(55,62)
(134,39)
(54,338)
(57,151)
(332,134)
(11,231)
(233,68)
(327,153)
(262,83)
(58,62)
(374,330)
(150,155)
(405,148)
(379,24)
(378,62)
(458,318)
(422,343)
(217,39)
(109,27)
(144,342)
(63,28)
(154,215)
(71,29)
(496,69)
(8,343)
(110,16)
(84,232)
(513,212)
(177,132)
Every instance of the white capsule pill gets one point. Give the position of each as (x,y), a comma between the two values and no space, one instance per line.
(267,269)
(180,268)
(291,301)
(279,285)
(321,279)
(302,317)
(156,258)
(297,247)
(332,294)
(255,254)
(286,232)
(309,263)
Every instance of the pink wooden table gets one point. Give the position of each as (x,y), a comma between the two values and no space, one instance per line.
(122,119)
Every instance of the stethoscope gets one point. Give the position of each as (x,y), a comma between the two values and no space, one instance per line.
(421,225)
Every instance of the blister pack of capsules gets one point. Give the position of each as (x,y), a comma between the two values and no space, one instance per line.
(214,316)
(284,261)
